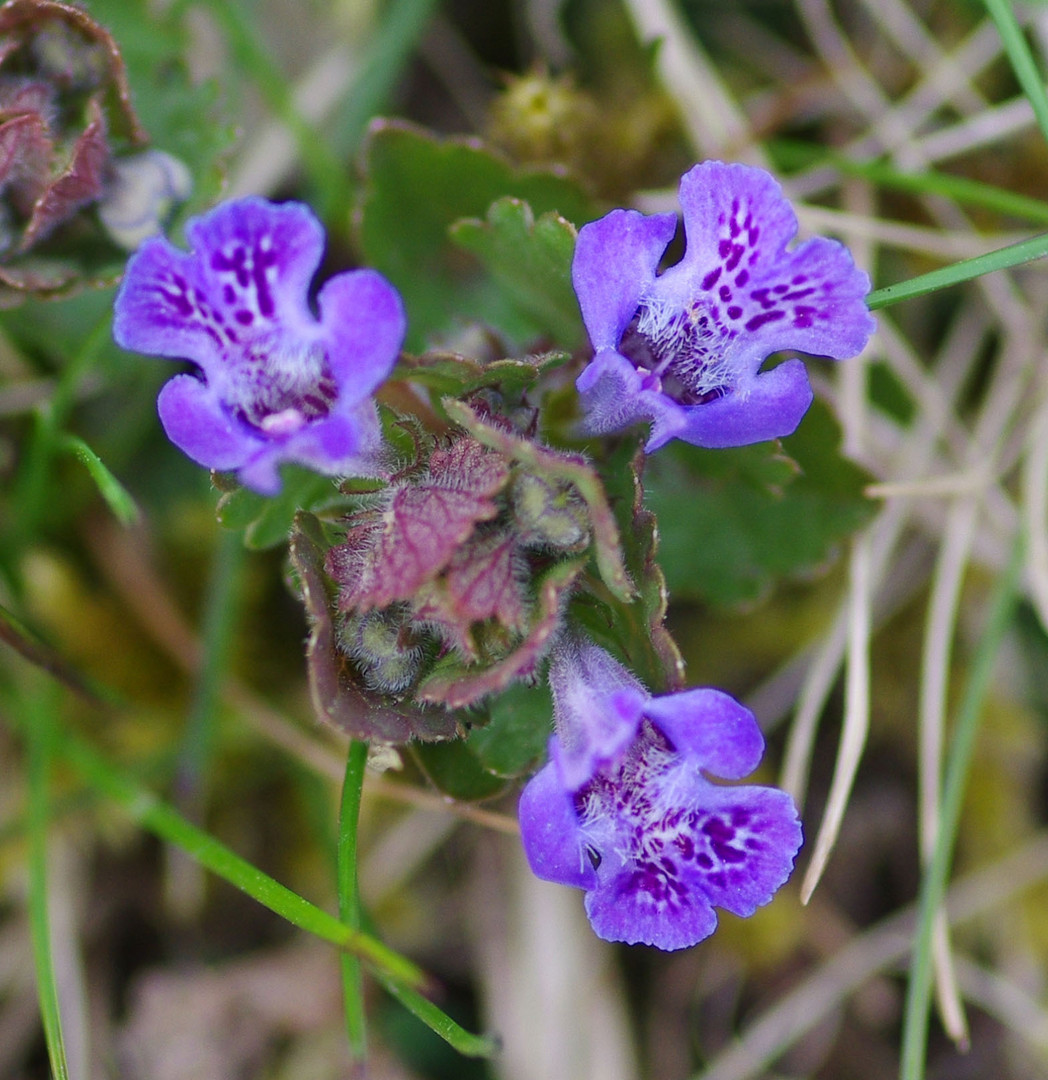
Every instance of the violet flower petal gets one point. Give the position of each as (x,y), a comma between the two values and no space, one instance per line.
(196,423)
(768,407)
(615,260)
(598,706)
(712,727)
(636,907)
(550,832)
(613,397)
(651,839)
(744,846)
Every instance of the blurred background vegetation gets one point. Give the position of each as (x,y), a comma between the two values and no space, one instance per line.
(897,125)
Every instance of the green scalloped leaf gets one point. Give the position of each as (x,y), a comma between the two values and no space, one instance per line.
(733,523)
(530,261)
(457,771)
(514,739)
(416,187)
(452,375)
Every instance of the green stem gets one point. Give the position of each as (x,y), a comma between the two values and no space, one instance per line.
(456,1036)
(794,154)
(958,763)
(349,896)
(39,734)
(1013,255)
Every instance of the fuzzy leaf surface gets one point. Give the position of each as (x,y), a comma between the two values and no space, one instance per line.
(390,555)
(481,582)
(456,685)
(556,466)
(336,698)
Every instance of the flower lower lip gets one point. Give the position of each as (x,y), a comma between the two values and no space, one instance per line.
(285,422)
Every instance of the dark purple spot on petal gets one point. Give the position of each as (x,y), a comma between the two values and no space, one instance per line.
(742,277)
(734,312)
(244,317)
(711,278)
(724,292)
(726,853)
(765,317)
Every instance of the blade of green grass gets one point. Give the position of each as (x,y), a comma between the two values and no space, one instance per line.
(160,819)
(39,739)
(792,154)
(1013,255)
(220,614)
(349,897)
(403,23)
(958,763)
(456,1036)
(117,497)
(31,488)
(249,53)
(1023,63)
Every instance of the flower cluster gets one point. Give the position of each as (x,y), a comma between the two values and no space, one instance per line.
(625,810)
(452,577)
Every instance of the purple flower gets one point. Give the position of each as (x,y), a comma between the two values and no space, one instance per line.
(684,348)
(625,811)
(274,382)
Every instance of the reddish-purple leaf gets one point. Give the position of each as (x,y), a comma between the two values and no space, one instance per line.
(79,183)
(25,151)
(24,21)
(390,555)
(481,582)
(459,686)
(558,467)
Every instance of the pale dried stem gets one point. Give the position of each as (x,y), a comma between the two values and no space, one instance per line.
(856,711)
(713,121)
(1035,512)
